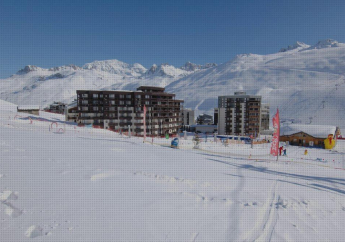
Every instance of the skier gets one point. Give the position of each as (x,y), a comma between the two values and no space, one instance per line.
(284,152)
(306,152)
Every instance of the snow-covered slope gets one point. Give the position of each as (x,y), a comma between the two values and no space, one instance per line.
(67,183)
(35,85)
(7,106)
(305,84)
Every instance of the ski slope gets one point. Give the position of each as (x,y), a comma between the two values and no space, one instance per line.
(60,182)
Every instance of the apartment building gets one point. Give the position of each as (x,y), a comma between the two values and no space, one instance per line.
(188,116)
(265,116)
(239,114)
(124,110)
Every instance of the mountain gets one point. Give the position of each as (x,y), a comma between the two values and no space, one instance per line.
(116,67)
(166,70)
(328,43)
(39,86)
(297,46)
(306,83)
(194,67)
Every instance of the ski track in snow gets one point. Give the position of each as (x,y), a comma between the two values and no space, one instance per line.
(169,180)
(234,214)
(268,217)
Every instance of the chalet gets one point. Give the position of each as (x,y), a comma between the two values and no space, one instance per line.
(30,109)
(307,135)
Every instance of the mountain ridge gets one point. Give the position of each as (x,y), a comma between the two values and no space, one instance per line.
(299,81)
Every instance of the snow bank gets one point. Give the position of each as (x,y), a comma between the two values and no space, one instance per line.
(33,231)
(7,106)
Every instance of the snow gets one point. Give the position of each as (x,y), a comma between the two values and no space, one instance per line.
(7,106)
(116,67)
(317,131)
(96,185)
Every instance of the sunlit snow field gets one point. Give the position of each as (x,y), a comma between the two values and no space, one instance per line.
(66,183)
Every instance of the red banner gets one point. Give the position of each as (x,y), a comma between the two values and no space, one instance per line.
(276,134)
(144,122)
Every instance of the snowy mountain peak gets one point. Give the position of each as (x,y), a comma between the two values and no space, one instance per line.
(298,45)
(65,67)
(194,67)
(152,69)
(326,44)
(166,70)
(116,67)
(29,68)
(209,65)
(190,66)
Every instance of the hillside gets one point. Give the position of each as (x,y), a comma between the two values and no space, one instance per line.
(303,82)
(306,82)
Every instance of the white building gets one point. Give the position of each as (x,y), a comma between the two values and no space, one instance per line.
(188,116)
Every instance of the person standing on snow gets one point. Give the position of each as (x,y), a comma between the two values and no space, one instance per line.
(280,150)
(306,152)
(284,152)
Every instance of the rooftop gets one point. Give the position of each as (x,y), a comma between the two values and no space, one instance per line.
(28,107)
(317,131)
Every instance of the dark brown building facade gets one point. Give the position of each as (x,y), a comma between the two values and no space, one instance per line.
(239,114)
(124,110)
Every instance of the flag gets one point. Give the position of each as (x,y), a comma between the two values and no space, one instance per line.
(276,134)
(144,122)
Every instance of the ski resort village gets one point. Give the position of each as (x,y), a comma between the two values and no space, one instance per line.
(248,150)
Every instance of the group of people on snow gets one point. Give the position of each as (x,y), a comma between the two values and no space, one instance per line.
(281,149)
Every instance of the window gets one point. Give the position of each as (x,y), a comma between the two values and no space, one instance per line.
(84,108)
(147,102)
(95,95)
(95,108)
(112,96)
(122,96)
(147,96)
(95,102)
(84,95)
(84,102)
(112,109)
(112,102)
(128,96)
(111,115)
(101,95)
(122,102)
(138,96)
(128,102)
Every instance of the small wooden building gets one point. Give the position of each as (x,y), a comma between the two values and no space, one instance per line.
(30,109)
(307,135)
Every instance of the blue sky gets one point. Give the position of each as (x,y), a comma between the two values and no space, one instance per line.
(54,33)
